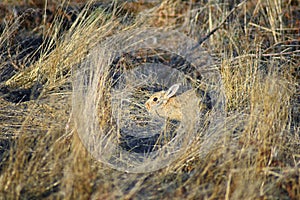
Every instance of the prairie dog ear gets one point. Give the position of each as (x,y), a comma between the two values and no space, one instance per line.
(172,90)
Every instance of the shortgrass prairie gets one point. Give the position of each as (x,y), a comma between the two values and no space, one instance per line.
(256,48)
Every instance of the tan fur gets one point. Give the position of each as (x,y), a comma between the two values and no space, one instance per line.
(175,107)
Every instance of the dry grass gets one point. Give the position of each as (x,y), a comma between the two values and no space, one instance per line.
(257,53)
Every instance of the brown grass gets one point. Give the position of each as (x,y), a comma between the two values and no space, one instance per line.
(257,53)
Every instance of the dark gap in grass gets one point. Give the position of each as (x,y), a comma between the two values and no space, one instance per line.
(20,95)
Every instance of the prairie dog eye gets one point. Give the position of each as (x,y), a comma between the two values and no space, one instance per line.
(155,99)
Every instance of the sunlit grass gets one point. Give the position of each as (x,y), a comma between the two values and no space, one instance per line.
(258,155)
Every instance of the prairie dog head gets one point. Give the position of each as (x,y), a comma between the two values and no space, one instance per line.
(164,104)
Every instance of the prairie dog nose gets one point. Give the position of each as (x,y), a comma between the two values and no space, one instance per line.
(147,105)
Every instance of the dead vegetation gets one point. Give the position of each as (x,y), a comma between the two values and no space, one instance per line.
(257,51)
